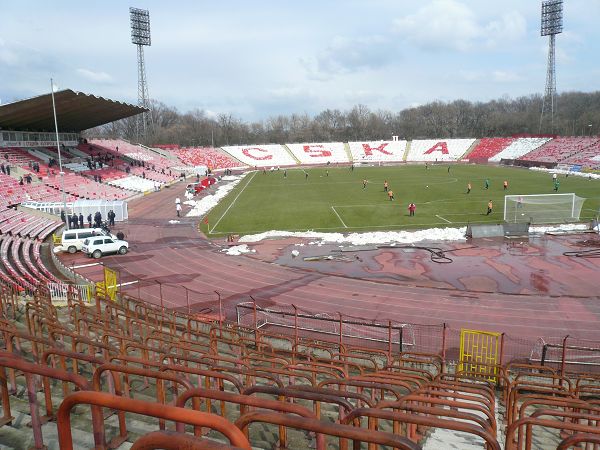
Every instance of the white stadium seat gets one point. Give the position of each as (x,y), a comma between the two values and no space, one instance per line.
(438,149)
(377,150)
(519,148)
(319,153)
(271,155)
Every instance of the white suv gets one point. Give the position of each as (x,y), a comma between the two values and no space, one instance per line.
(101,245)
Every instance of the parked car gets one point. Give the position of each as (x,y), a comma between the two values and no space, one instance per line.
(98,246)
(72,240)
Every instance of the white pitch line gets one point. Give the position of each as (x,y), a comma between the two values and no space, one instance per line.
(336,213)
(232,203)
(440,217)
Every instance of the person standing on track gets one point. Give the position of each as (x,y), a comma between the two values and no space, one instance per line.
(490,207)
(178,209)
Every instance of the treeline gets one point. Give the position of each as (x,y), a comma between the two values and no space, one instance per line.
(460,118)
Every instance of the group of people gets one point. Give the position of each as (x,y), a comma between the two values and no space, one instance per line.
(76,221)
(33,165)
(5,168)
(27,179)
(386,188)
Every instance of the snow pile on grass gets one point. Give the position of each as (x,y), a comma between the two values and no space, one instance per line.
(378,237)
(205,204)
(558,228)
(594,176)
(238,250)
(172,222)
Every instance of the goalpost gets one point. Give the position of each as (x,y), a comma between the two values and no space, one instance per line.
(542,208)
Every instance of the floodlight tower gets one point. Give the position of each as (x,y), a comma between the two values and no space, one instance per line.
(140,36)
(552,24)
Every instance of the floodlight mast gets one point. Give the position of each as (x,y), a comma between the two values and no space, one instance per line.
(140,36)
(552,24)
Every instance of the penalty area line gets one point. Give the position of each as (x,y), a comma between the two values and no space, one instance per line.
(440,217)
(338,216)
(232,203)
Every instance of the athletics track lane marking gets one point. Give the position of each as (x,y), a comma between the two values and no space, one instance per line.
(232,203)
(338,216)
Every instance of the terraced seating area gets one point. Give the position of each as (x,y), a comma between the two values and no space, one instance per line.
(82,187)
(135,152)
(488,147)
(442,150)
(21,235)
(12,193)
(22,158)
(518,148)
(135,183)
(562,148)
(377,151)
(271,155)
(206,156)
(192,379)
(319,153)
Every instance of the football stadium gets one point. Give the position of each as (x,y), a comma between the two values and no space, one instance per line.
(404,290)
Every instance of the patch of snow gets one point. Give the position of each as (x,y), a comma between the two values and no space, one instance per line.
(593,176)
(378,237)
(238,250)
(558,228)
(205,204)
(174,221)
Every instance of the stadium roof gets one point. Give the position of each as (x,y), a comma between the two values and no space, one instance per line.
(75,111)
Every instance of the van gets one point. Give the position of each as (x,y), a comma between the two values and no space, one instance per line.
(72,240)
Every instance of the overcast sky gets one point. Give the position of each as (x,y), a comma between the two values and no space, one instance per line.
(257,59)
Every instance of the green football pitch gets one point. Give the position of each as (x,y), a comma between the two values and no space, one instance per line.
(334,200)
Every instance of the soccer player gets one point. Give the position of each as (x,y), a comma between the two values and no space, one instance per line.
(490,207)
(468,187)
(385,186)
(487,183)
(365,183)
(391,195)
(411,209)
(306,175)
(556,185)
(505,184)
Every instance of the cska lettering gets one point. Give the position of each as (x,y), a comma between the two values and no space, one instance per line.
(369,150)
(439,147)
(316,151)
(246,152)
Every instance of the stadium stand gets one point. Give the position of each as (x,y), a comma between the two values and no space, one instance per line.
(573,150)
(244,387)
(12,192)
(518,148)
(377,151)
(438,150)
(205,156)
(271,155)
(85,188)
(331,152)
(135,183)
(488,147)
(134,152)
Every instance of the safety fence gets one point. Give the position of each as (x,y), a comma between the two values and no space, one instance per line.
(60,292)
(453,345)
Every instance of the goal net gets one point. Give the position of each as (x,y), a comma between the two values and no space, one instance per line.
(542,208)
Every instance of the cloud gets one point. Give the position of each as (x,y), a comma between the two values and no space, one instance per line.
(452,25)
(96,77)
(501,76)
(347,55)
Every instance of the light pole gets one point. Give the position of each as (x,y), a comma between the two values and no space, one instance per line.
(60,168)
